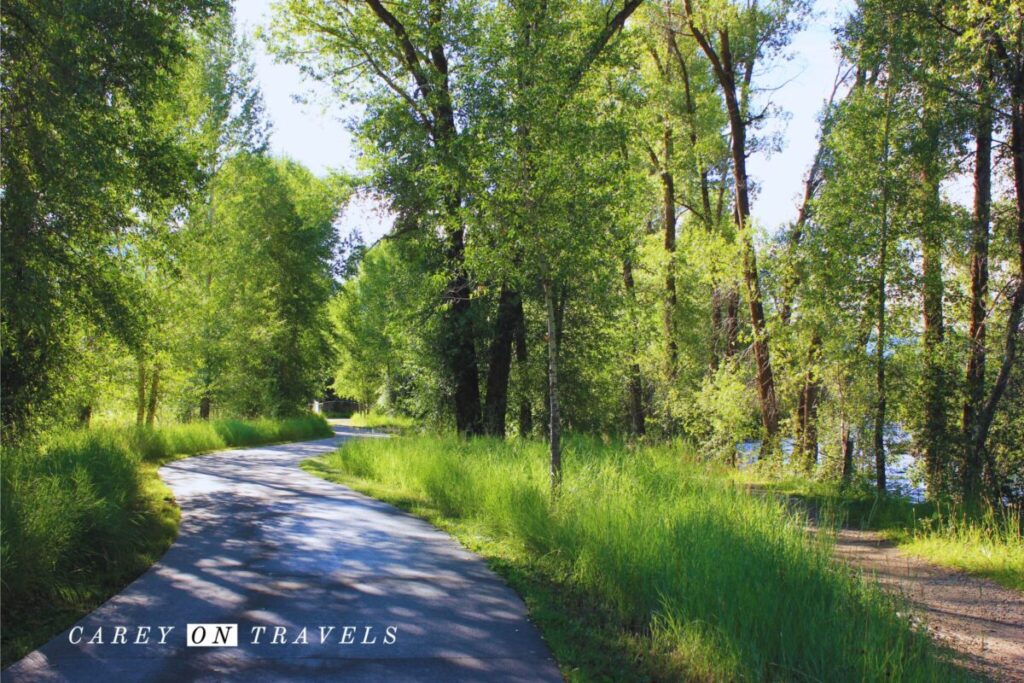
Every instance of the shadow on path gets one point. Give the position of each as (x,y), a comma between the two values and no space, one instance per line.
(264,544)
(978,618)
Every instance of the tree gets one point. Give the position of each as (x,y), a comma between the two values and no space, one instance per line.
(864,187)
(735,38)
(63,233)
(267,271)
(403,55)
(371,313)
(553,178)
(219,111)
(991,33)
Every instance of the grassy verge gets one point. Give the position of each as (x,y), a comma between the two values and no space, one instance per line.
(984,542)
(84,513)
(648,567)
(375,420)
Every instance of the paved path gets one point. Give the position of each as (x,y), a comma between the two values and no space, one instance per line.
(262,543)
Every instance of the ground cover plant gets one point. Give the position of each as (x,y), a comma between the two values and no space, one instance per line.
(378,420)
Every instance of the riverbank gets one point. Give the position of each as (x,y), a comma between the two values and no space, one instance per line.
(976,617)
(981,541)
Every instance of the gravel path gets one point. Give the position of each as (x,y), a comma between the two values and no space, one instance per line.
(978,618)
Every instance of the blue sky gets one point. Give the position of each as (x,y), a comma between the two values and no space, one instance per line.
(313,132)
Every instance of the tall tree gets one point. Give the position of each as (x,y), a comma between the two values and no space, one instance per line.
(63,232)
(993,32)
(735,38)
(980,227)
(545,124)
(405,50)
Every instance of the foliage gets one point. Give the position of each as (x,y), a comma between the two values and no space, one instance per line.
(373,312)
(259,265)
(66,233)
(596,187)
(573,247)
(178,269)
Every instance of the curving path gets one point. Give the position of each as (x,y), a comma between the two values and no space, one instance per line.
(978,619)
(262,543)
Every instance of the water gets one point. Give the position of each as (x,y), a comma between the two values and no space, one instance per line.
(902,476)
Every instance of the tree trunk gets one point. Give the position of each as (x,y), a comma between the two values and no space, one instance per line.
(935,378)
(85,415)
(636,396)
(140,396)
(716,329)
(204,407)
(936,440)
(765,378)
(461,350)
(731,327)
(846,444)
(879,441)
(522,354)
(500,365)
(722,63)
(154,392)
(669,223)
(1013,323)
(971,465)
(806,447)
(554,418)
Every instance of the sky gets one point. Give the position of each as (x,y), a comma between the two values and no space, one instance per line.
(313,131)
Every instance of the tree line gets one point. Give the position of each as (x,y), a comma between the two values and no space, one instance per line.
(156,260)
(574,244)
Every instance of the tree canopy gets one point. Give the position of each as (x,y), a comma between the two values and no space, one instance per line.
(571,180)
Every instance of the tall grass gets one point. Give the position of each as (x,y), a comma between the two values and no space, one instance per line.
(83,512)
(706,580)
(377,420)
(978,539)
(198,437)
(988,543)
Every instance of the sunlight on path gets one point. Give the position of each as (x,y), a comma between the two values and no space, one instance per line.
(976,617)
(263,544)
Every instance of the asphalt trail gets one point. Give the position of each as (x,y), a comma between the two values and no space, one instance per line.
(264,544)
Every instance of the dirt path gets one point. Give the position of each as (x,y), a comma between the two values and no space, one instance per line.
(978,618)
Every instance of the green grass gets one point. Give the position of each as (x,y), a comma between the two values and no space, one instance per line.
(992,547)
(649,566)
(982,541)
(83,513)
(382,421)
